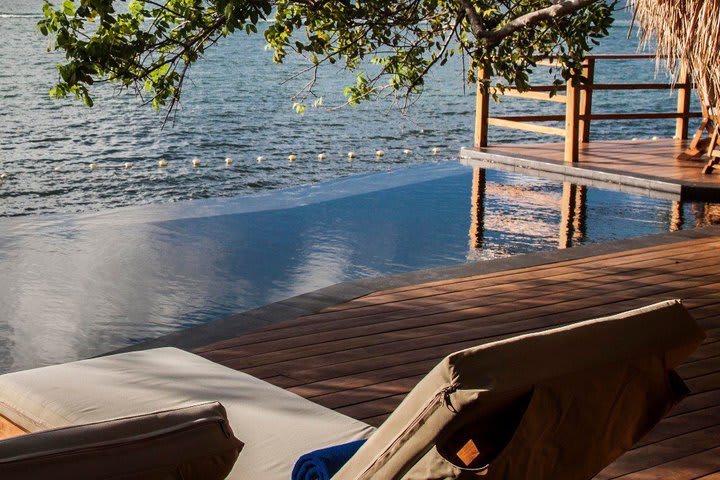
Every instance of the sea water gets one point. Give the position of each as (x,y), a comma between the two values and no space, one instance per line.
(237,104)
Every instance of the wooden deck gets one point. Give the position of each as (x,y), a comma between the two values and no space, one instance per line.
(644,166)
(361,357)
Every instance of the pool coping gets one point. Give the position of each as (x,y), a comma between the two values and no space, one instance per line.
(317,300)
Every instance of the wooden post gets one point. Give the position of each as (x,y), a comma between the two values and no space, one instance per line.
(683,106)
(586,100)
(481,111)
(572,123)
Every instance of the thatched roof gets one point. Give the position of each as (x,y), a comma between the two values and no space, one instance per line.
(687,33)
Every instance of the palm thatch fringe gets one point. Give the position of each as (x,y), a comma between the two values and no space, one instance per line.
(687,33)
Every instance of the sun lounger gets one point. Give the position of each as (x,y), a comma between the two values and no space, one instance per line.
(559,404)
(570,400)
(276,426)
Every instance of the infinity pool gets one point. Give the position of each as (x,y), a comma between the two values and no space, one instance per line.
(72,286)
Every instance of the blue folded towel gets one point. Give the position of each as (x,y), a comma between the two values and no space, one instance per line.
(324,463)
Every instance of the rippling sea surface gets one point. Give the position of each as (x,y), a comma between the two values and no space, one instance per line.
(80,276)
(236,106)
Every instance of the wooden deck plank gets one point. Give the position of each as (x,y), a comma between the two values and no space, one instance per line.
(656,454)
(477,324)
(362,357)
(319,340)
(687,468)
(477,297)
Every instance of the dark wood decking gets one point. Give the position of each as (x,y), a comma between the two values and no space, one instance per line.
(363,356)
(651,165)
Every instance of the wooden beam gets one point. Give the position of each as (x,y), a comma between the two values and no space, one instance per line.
(683,105)
(482,111)
(622,56)
(640,116)
(549,63)
(532,118)
(543,88)
(604,56)
(638,86)
(572,123)
(528,127)
(533,95)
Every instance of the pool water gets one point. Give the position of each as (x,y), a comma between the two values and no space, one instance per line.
(77,285)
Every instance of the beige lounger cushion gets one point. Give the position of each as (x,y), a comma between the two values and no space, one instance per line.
(586,392)
(276,426)
(192,443)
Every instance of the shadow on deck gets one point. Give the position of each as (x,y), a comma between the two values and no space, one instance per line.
(361,356)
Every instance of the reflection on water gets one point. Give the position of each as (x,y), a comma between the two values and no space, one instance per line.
(72,286)
(572,204)
(573,216)
(477,211)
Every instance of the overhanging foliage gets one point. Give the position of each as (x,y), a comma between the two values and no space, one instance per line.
(149,45)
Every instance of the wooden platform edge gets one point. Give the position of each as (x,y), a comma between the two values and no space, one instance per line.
(315,301)
(577,173)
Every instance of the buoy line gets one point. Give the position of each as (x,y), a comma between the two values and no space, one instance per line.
(196,162)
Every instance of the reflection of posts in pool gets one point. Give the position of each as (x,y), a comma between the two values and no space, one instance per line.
(677,218)
(705,214)
(477,210)
(573,215)
(711,214)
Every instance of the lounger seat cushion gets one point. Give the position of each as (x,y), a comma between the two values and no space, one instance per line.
(560,404)
(192,443)
(276,426)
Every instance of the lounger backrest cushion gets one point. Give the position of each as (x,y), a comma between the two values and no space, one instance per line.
(575,398)
(192,443)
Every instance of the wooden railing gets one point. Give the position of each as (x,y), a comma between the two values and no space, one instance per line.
(578,107)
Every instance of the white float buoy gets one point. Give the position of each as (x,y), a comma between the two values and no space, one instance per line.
(162,163)
(435,150)
(127,165)
(379,153)
(3,176)
(260,159)
(229,161)
(292,158)
(634,139)
(57,169)
(407,151)
(352,155)
(655,138)
(92,166)
(322,156)
(195,162)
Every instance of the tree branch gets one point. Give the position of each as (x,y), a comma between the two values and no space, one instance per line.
(559,9)
(473,18)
